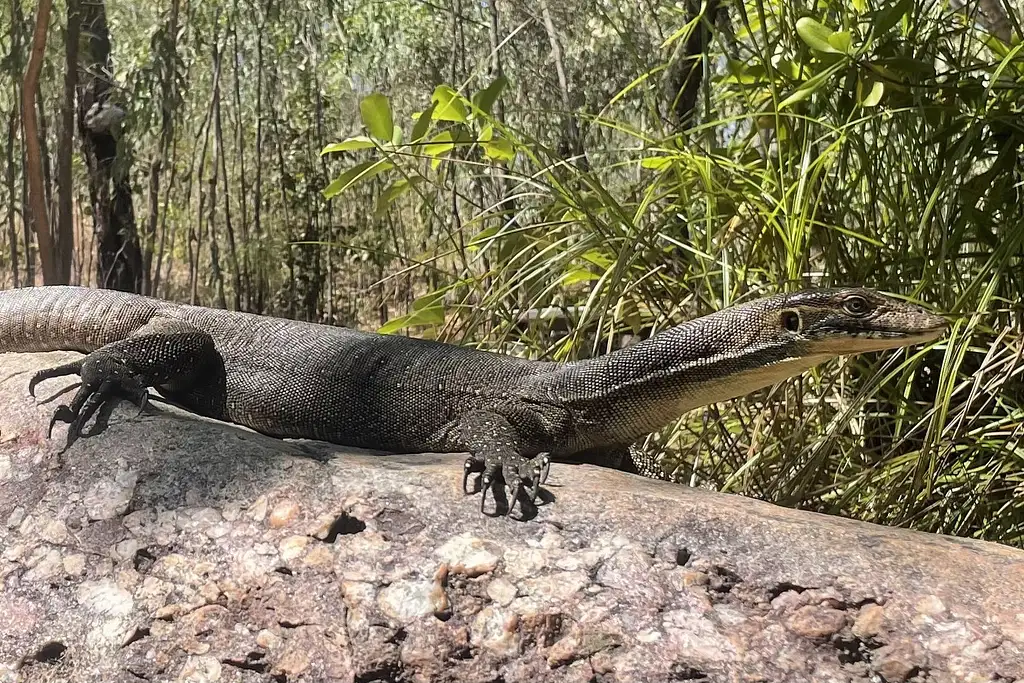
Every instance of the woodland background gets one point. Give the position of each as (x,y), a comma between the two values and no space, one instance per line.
(556,179)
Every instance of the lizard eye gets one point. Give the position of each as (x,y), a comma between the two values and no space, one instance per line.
(856,305)
(791,321)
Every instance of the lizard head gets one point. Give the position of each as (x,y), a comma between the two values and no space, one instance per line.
(854,320)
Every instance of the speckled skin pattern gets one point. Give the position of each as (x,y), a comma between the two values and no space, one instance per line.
(294,379)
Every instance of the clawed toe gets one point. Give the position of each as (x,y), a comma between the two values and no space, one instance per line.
(517,477)
(104,381)
(471,467)
(86,403)
(74,368)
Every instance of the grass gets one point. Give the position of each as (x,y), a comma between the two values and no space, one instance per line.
(893,163)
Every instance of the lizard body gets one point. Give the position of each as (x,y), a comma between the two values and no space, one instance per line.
(294,379)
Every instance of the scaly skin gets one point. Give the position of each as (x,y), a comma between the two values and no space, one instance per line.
(301,380)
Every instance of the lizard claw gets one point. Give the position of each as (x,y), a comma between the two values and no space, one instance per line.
(472,466)
(541,468)
(522,479)
(486,482)
(88,400)
(510,472)
(73,368)
(104,379)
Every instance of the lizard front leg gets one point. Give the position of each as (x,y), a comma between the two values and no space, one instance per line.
(495,453)
(166,353)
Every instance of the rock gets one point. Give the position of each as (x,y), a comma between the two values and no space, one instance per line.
(404,601)
(283,514)
(813,621)
(109,497)
(869,621)
(174,548)
(470,556)
(898,661)
(502,591)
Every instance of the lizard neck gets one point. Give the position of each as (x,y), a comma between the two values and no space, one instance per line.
(632,392)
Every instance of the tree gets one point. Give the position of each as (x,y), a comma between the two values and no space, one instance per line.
(118,256)
(34,161)
(64,242)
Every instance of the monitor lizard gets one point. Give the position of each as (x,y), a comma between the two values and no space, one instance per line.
(399,394)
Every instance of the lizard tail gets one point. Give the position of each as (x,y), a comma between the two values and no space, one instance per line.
(63,318)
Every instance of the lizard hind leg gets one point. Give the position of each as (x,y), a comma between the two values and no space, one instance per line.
(163,353)
(105,378)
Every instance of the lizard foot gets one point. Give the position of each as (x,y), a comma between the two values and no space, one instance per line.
(105,378)
(521,476)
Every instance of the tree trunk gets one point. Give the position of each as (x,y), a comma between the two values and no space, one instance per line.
(118,256)
(219,154)
(195,242)
(168,107)
(34,161)
(255,301)
(242,176)
(572,141)
(65,233)
(681,83)
(12,228)
(149,245)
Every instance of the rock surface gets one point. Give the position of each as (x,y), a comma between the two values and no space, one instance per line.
(171,548)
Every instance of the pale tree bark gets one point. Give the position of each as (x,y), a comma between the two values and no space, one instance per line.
(991,14)
(168,108)
(572,141)
(256,299)
(10,176)
(211,222)
(195,241)
(34,161)
(220,154)
(240,140)
(12,230)
(65,234)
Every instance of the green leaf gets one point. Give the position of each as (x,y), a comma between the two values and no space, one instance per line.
(423,123)
(485,235)
(429,300)
(656,163)
(499,149)
(860,6)
(376,113)
(888,17)
(441,143)
(598,258)
(869,92)
(449,103)
(841,41)
(807,89)
(486,98)
(433,315)
(348,145)
(815,34)
(579,275)
(798,95)
(392,193)
(363,171)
